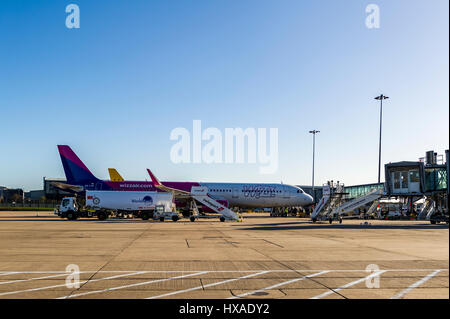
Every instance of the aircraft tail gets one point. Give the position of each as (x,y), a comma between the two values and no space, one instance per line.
(76,172)
(114,175)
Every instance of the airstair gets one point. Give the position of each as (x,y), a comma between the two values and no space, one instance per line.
(332,197)
(373,209)
(332,206)
(427,210)
(353,204)
(200,193)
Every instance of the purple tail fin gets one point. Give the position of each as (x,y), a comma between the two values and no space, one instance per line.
(76,172)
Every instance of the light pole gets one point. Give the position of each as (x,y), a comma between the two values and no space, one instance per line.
(381,98)
(313,132)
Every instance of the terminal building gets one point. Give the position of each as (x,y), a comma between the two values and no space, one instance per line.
(8,195)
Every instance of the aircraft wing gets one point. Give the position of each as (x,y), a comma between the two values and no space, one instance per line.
(159,185)
(68,187)
(199,193)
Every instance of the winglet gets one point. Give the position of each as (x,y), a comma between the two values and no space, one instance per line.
(155,180)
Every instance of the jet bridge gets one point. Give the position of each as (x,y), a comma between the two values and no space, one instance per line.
(428,178)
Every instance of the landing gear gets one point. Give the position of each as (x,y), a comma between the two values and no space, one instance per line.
(222,219)
(174,218)
(161,219)
(330,220)
(340,220)
(192,219)
(314,220)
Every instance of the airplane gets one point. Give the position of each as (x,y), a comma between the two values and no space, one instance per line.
(243,195)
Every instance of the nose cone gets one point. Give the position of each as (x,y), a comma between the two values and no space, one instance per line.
(308,199)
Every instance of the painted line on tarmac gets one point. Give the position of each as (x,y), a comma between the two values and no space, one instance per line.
(416,284)
(208,285)
(64,285)
(280,284)
(216,271)
(329,292)
(132,285)
(37,278)
(9,273)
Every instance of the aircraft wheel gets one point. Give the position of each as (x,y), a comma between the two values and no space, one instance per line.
(161,219)
(145,216)
(330,221)
(433,222)
(175,218)
(340,220)
(192,219)
(314,220)
(222,219)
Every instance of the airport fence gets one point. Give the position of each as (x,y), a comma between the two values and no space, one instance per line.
(29,205)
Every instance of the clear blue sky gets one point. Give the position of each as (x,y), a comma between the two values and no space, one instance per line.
(115,88)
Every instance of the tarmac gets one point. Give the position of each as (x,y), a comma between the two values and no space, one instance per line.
(261,257)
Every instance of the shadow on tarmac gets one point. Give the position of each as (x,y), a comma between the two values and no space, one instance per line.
(296,226)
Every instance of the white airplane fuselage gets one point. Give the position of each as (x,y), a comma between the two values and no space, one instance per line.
(258,195)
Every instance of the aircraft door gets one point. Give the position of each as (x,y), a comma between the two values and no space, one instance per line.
(235,192)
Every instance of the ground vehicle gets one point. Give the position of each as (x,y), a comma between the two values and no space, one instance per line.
(115,203)
(70,208)
(161,213)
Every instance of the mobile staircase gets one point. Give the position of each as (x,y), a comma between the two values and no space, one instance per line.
(347,207)
(427,210)
(200,193)
(332,197)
